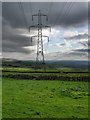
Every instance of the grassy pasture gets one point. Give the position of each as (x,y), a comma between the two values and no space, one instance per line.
(44,99)
(37,97)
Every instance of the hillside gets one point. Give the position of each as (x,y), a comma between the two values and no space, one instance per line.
(82,65)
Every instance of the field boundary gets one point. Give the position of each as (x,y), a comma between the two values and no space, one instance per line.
(42,72)
(48,77)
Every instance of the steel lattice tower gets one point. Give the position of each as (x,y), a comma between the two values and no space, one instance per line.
(40,53)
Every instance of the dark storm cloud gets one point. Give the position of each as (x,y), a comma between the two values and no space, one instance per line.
(84,43)
(77,53)
(15,46)
(59,14)
(77,37)
(63,14)
(13,40)
(12,15)
(73,55)
(83,50)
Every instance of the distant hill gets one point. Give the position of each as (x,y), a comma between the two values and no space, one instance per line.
(8,62)
(72,64)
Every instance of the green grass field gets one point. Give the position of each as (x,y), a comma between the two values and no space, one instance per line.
(44,95)
(44,99)
(0,98)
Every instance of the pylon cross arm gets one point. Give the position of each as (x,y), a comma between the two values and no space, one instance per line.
(46,36)
(46,26)
(33,37)
(34,15)
(45,16)
(33,26)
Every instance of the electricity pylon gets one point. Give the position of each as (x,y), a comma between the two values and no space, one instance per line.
(39,26)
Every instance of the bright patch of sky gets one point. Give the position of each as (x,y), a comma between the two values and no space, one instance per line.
(57,39)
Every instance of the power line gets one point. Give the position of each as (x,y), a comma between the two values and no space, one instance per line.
(61,12)
(67,11)
(66,14)
(47,46)
(23,13)
(50,7)
(58,16)
(49,11)
(23,16)
(31,11)
(30,8)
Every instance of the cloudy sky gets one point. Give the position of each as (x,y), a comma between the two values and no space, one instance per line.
(68,36)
